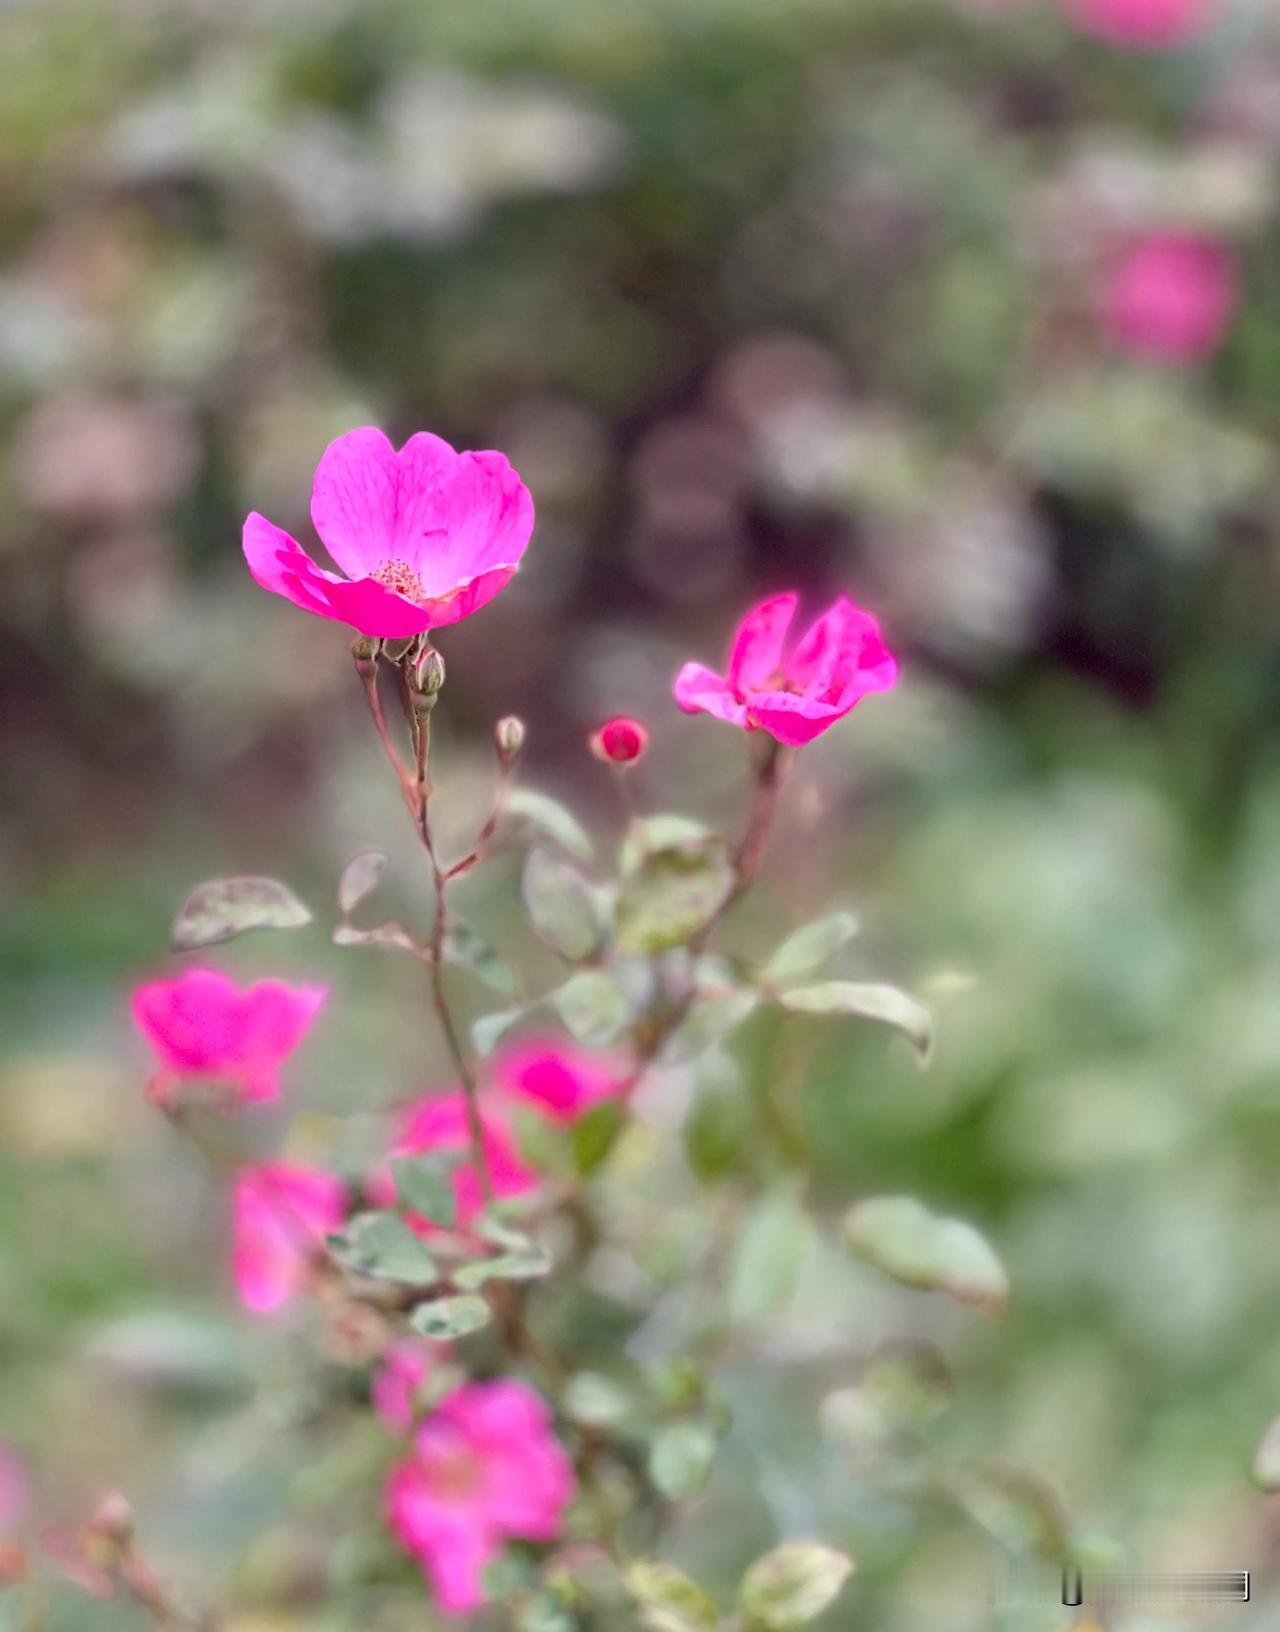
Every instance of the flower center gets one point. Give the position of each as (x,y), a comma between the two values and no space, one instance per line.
(401,577)
(456,1474)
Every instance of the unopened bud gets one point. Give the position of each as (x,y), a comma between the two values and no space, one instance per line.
(508,737)
(620,741)
(365,652)
(428,672)
(110,1533)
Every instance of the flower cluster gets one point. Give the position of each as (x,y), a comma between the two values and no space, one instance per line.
(426,536)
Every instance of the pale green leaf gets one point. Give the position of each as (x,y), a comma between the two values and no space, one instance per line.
(424,1184)
(360,878)
(791,1586)
(565,908)
(866,1001)
(450,1317)
(391,936)
(769,1257)
(529,1264)
(680,1458)
(469,950)
(381,1245)
(593,1006)
(226,907)
(666,1600)
(489,1029)
(550,817)
(809,948)
(921,1249)
(673,893)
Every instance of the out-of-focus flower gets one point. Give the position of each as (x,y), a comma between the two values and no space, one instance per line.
(84,458)
(838,660)
(1149,25)
(441,1124)
(620,741)
(15,1490)
(486,1466)
(202,1026)
(405,1367)
(1171,297)
(282,1213)
(562,1080)
(427,535)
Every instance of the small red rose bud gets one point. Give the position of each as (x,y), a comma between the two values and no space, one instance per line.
(508,737)
(620,741)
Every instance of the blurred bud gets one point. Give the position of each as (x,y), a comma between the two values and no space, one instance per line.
(508,737)
(620,741)
(109,1536)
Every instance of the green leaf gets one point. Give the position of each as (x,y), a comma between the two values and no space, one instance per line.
(565,908)
(593,1006)
(667,1600)
(424,1184)
(489,1030)
(463,946)
(674,892)
(551,817)
(596,1401)
(1266,1460)
(680,1458)
(227,907)
(900,1236)
(528,1264)
(594,1134)
(360,878)
(809,948)
(1019,1510)
(648,835)
(710,1021)
(867,1001)
(383,1246)
(769,1257)
(450,1317)
(391,935)
(791,1586)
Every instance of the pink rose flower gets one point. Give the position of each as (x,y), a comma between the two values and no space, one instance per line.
(486,1467)
(405,1367)
(282,1213)
(202,1026)
(837,661)
(1150,25)
(440,1123)
(426,536)
(561,1079)
(1171,297)
(620,741)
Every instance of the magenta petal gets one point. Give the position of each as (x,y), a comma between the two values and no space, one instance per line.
(793,720)
(468,597)
(280,564)
(842,656)
(698,691)
(481,520)
(281,1213)
(756,656)
(371,504)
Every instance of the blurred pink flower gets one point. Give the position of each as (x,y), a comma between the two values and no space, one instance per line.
(1171,297)
(1149,25)
(426,536)
(620,741)
(837,661)
(202,1025)
(486,1466)
(15,1490)
(560,1078)
(440,1123)
(282,1214)
(405,1367)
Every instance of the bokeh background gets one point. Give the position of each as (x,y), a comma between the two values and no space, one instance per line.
(971,308)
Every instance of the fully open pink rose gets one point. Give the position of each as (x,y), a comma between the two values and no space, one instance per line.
(1150,25)
(282,1214)
(559,1078)
(425,536)
(440,1123)
(201,1025)
(1171,297)
(837,661)
(486,1467)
